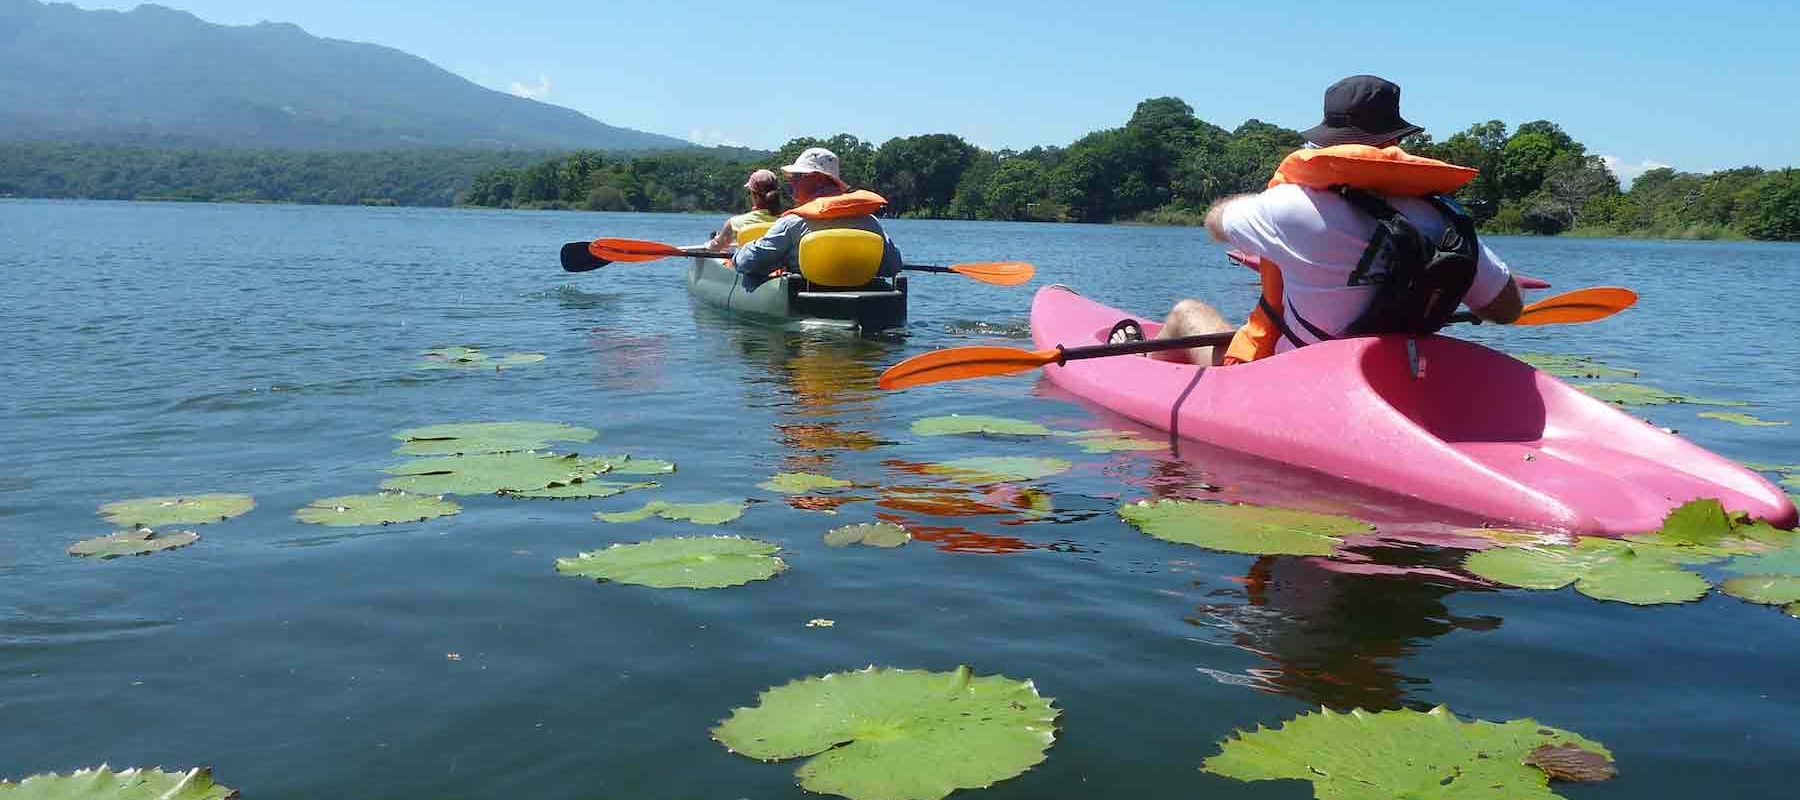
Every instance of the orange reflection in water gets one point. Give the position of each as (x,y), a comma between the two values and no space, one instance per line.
(957,539)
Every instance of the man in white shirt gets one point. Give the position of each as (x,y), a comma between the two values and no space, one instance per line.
(1319,238)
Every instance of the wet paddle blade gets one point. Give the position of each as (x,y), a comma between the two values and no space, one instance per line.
(959,363)
(631,250)
(998,273)
(577,258)
(1581,305)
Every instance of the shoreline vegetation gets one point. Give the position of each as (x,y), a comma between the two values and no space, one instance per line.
(1163,167)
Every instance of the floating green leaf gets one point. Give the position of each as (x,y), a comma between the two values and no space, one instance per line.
(1405,753)
(1635,394)
(1791,480)
(473,358)
(1603,569)
(801,483)
(469,438)
(1574,366)
(974,423)
(717,513)
(681,562)
(490,472)
(897,734)
(385,508)
(1769,590)
(881,534)
(1111,444)
(1761,467)
(624,464)
(102,783)
(1241,528)
(1784,561)
(142,541)
(580,490)
(1748,420)
(999,469)
(1701,531)
(193,509)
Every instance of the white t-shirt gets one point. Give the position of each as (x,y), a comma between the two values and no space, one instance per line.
(1318,238)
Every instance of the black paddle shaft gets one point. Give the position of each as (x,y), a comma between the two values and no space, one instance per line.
(1145,346)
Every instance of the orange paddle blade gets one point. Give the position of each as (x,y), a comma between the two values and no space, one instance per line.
(958,363)
(631,250)
(1581,305)
(998,273)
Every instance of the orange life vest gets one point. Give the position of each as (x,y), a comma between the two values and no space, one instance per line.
(1386,171)
(859,203)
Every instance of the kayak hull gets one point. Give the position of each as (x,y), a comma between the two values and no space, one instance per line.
(878,306)
(1475,430)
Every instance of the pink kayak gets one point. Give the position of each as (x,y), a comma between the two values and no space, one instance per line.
(1476,431)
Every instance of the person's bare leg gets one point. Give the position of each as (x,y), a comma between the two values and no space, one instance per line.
(1193,318)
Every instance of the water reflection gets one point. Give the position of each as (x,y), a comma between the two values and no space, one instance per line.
(1330,638)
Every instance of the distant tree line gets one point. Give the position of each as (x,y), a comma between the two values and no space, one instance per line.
(406,177)
(1164,165)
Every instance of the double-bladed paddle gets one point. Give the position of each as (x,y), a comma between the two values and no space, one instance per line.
(958,363)
(586,256)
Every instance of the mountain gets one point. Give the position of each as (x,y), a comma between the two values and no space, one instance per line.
(156,76)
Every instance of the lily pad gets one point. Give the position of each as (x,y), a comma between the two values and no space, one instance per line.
(1769,590)
(1405,753)
(1113,444)
(624,464)
(193,509)
(1603,569)
(102,783)
(955,424)
(1791,480)
(473,358)
(897,734)
(469,438)
(1243,529)
(998,469)
(1784,561)
(681,562)
(1748,420)
(581,490)
(1637,394)
(880,534)
(1574,366)
(801,483)
(385,508)
(139,542)
(490,472)
(717,513)
(1758,466)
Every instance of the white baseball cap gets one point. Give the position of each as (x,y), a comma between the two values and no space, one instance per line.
(816,159)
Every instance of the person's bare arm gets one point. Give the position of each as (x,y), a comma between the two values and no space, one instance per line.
(1505,307)
(1215,216)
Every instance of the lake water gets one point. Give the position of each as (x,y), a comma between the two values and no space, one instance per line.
(167,349)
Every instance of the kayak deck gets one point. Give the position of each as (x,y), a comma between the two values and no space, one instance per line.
(880,305)
(1475,430)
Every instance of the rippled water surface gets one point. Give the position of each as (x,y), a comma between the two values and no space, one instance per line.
(166,349)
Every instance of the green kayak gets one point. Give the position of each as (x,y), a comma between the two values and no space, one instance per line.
(879,305)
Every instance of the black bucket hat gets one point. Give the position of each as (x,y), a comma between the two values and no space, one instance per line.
(1361,109)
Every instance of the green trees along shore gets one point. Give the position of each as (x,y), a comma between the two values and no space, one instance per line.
(1164,165)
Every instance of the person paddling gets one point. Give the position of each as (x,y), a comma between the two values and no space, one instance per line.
(1355,237)
(825,203)
(765,206)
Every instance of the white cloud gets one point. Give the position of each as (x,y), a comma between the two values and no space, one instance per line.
(713,139)
(1626,173)
(538,92)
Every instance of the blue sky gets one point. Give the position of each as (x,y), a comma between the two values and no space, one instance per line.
(1700,86)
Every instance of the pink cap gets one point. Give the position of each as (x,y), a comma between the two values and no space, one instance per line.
(762,181)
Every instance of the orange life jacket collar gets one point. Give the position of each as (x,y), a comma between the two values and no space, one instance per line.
(859,203)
